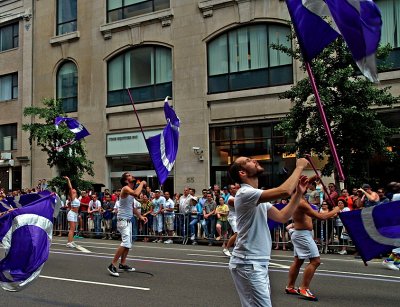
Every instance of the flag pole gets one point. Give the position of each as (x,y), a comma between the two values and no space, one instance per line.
(324,121)
(140,124)
(137,116)
(308,157)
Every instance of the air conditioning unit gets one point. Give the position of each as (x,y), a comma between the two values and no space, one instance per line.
(5,155)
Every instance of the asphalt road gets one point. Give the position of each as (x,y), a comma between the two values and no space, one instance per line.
(186,275)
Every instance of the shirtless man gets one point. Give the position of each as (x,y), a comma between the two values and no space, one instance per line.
(305,247)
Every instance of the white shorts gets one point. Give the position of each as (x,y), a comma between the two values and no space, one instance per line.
(72,216)
(232,222)
(304,245)
(125,229)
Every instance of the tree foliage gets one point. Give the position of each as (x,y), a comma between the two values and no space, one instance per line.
(72,161)
(350,102)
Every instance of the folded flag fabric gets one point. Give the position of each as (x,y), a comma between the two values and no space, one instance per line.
(163,148)
(25,234)
(359,22)
(374,230)
(74,126)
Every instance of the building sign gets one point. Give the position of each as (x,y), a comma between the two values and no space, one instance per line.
(128,143)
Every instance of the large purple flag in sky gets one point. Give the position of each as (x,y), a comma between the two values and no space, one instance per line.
(25,234)
(374,230)
(358,21)
(163,148)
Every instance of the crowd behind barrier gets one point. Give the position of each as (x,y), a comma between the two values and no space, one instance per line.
(189,219)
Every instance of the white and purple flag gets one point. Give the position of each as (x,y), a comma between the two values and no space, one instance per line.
(74,126)
(357,21)
(25,234)
(374,230)
(163,148)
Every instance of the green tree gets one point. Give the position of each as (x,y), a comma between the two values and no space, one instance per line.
(72,161)
(350,103)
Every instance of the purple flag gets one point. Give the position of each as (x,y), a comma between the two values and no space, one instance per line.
(25,234)
(74,126)
(358,21)
(163,148)
(313,32)
(374,230)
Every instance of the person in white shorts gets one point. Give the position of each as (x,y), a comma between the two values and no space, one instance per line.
(124,216)
(72,216)
(305,247)
(252,252)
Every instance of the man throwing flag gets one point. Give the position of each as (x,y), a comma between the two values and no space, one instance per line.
(124,216)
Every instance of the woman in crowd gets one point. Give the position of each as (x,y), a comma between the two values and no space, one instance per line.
(340,231)
(72,216)
(222,212)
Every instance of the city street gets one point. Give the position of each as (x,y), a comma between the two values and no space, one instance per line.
(179,275)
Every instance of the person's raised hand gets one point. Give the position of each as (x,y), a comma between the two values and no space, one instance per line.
(302,162)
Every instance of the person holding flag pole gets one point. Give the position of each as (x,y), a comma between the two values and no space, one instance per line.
(124,218)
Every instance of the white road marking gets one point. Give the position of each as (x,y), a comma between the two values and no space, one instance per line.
(82,249)
(94,283)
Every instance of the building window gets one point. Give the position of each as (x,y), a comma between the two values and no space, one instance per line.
(243,58)
(390,10)
(258,141)
(66,16)
(8,137)
(9,87)
(146,71)
(9,37)
(67,86)
(121,9)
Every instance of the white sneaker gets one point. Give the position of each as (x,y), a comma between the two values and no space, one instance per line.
(390,265)
(226,252)
(169,241)
(343,252)
(192,237)
(71,245)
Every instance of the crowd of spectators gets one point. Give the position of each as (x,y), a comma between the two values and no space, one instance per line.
(192,218)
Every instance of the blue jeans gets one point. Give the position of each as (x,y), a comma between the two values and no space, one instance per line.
(192,225)
(209,226)
(97,224)
(252,284)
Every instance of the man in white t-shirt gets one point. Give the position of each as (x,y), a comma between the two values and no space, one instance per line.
(252,253)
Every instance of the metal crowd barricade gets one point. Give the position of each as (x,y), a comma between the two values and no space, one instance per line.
(140,231)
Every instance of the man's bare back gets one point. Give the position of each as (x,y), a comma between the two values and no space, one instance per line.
(303,215)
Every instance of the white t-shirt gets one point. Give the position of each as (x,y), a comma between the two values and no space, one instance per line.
(338,220)
(253,243)
(232,212)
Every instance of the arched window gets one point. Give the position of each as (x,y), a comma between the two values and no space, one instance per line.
(243,58)
(67,86)
(146,71)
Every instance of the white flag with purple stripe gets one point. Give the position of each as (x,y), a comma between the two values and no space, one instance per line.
(358,21)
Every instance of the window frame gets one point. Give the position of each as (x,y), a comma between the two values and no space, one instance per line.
(260,77)
(15,35)
(14,136)
(121,11)
(74,99)
(155,90)
(14,86)
(71,21)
